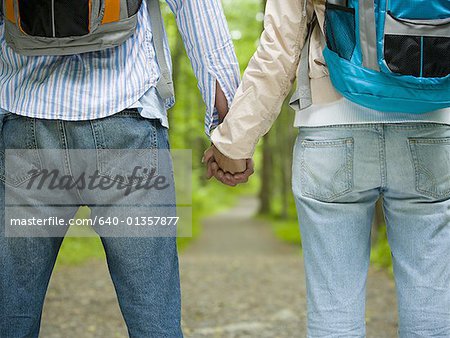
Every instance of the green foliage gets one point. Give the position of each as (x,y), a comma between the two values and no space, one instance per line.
(381,253)
(77,250)
(284,220)
(287,230)
(187,117)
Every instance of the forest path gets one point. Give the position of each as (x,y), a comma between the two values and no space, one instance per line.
(238,281)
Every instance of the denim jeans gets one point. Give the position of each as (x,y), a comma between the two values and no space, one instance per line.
(339,173)
(144,270)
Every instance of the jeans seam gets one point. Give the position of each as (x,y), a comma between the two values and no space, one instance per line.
(64,146)
(376,125)
(33,135)
(66,158)
(382,154)
(417,125)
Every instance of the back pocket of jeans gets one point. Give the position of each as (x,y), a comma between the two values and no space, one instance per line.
(326,168)
(19,156)
(431,158)
(127,148)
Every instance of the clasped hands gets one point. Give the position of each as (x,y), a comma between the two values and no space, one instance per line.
(226,170)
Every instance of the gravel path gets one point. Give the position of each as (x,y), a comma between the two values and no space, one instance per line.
(237,281)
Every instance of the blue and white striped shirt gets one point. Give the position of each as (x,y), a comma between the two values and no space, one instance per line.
(97,84)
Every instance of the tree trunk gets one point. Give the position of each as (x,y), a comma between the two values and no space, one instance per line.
(265,192)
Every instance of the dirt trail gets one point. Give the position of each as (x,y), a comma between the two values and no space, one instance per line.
(237,281)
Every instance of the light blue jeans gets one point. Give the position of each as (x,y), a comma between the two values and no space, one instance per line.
(144,270)
(339,173)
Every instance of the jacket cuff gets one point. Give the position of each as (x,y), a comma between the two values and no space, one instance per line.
(221,138)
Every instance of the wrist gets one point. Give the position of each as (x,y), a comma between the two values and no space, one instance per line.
(221,103)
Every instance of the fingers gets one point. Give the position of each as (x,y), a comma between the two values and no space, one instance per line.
(209,169)
(234,179)
(225,178)
(247,173)
(214,170)
(244,176)
(208,155)
(211,165)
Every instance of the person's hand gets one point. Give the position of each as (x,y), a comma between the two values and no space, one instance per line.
(221,103)
(226,170)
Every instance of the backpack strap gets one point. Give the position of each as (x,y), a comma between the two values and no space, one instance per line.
(302,97)
(368,35)
(165,83)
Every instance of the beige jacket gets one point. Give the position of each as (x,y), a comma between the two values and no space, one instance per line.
(271,73)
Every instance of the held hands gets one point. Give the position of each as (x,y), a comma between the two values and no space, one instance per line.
(226,170)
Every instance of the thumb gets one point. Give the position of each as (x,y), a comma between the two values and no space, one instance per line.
(208,154)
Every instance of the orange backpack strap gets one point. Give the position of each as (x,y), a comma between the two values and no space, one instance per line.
(9,11)
(112,11)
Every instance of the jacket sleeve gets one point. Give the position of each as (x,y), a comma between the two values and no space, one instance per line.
(267,79)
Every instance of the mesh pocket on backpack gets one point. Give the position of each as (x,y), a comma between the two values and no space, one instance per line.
(340,30)
(420,48)
(133,6)
(71,17)
(403,54)
(436,56)
(36,17)
(417,56)
(47,18)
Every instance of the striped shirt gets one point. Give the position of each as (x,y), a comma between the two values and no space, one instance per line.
(97,84)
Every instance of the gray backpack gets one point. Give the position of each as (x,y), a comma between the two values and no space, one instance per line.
(67,27)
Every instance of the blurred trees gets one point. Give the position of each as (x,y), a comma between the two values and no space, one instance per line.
(276,163)
(272,181)
(274,155)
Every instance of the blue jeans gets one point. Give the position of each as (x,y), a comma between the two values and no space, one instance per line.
(144,270)
(339,173)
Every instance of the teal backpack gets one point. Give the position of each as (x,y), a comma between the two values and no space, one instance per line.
(390,55)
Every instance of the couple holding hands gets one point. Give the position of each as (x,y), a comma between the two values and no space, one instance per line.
(372,110)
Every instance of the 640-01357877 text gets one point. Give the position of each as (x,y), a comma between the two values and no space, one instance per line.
(97,220)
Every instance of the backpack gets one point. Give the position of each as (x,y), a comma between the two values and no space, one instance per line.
(390,55)
(67,27)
